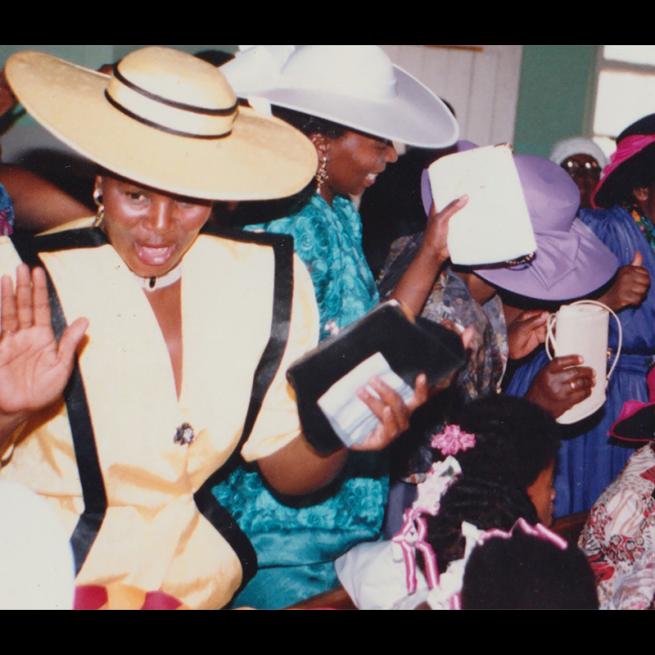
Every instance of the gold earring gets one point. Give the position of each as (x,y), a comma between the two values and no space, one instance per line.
(321,173)
(100,212)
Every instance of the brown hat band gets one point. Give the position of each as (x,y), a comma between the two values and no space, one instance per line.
(168,115)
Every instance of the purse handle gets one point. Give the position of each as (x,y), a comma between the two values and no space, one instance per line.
(550,337)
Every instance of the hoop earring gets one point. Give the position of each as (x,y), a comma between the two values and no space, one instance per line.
(321,176)
(100,212)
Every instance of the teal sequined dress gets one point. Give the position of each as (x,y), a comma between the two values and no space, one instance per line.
(297,544)
(7,218)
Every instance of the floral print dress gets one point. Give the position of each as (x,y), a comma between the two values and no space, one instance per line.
(451,300)
(619,536)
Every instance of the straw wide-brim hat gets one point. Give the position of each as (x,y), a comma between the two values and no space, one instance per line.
(167,120)
(355,86)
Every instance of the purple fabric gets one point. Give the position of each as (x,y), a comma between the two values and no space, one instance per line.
(588,460)
(570,261)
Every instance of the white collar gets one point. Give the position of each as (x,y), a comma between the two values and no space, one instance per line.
(151,284)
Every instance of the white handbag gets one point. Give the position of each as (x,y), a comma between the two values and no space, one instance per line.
(495,225)
(582,329)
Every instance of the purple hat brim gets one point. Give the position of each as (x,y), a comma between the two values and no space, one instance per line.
(593,266)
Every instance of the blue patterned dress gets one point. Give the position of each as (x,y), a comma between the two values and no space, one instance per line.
(297,544)
(7,218)
(588,460)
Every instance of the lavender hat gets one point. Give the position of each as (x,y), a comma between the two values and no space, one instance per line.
(570,262)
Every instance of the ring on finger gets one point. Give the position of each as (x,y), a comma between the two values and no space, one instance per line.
(572,383)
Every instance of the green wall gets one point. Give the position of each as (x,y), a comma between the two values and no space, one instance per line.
(555,95)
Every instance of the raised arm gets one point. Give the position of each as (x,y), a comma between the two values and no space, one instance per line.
(416,283)
(34,367)
(38,203)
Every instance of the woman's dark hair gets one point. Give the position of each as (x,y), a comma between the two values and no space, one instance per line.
(214,57)
(515,440)
(309,124)
(636,172)
(481,502)
(525,572)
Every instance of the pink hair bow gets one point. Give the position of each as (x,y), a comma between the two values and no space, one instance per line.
(539,531)
(411,537)
(452,439)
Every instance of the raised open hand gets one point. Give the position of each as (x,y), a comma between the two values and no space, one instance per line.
(34,368)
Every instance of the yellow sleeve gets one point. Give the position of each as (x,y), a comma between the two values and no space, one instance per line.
(278,422)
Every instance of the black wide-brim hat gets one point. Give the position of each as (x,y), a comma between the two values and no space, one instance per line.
(617,180)
(636,422)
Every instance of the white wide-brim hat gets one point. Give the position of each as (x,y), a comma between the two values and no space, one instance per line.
(355,86)
(167,120)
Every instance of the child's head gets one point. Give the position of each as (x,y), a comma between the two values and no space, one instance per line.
(516,446)
(506,449)
(524,571)
(484,504)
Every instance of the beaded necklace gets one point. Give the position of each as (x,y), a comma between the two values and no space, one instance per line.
(645,225)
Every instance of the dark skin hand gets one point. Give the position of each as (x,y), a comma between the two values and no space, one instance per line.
(525,332)
(34,367)
(630,287)
(416,283)
(561,384)
(320,470)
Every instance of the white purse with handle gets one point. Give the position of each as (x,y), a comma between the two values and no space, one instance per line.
(581,328)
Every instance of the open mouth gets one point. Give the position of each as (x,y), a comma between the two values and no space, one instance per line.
(154,255)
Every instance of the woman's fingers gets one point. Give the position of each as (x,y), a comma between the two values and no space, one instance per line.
(389,409)
(40,298)
(24,297)
(450,209)
(421,392)
(28,305)
(71,338)
(580,379)
(436,234)
(388,398)
(560,364)
(8,317)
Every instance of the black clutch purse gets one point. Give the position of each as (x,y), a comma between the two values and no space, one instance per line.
(385,342)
